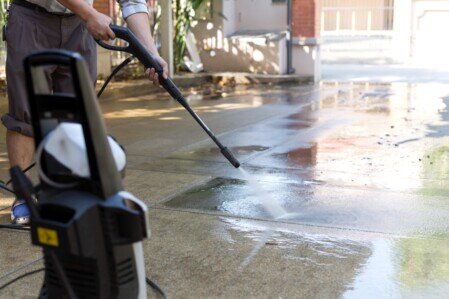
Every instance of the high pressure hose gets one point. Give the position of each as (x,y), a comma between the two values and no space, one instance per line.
(114,72)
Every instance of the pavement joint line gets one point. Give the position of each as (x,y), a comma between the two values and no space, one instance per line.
(267,119)
(317,89)
(329,170)
(289,140)
(218,214)
(192,160)
(182,190)
(286,171)
(147,156)
(7,275)
(12,230)
(5,208)
(198,160)
(251,124)
(170,172)
(260,153)
(256,154)
(258,166)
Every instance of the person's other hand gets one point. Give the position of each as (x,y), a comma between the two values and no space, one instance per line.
(151,73)
(98,25)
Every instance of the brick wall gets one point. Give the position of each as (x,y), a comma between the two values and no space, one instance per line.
(306,18)
(105,6)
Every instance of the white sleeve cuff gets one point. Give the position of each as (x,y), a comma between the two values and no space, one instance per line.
(132,7)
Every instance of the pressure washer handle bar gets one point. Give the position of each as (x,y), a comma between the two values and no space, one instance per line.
(136,48)
(49,59)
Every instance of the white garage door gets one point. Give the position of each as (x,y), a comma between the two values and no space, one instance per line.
(431,33)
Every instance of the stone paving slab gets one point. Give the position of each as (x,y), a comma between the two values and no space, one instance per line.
(27,287)
(312,157)
(152,187)
(158,127)
(16,251)
(149,186)
(5,216)
(356,209)
(205,256)
(149,137)
(348,147)
(328,177)
(246,142)
(5,202)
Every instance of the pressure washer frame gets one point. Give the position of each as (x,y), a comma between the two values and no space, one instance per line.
(91,233)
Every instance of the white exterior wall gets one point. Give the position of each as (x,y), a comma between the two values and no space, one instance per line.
(228,8)
(307,58)
(247,55)
(402,31)
(260,15)
(430,20)
(221,53)
(417,32)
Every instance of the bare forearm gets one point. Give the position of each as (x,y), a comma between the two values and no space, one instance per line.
(139,24)
(96,23)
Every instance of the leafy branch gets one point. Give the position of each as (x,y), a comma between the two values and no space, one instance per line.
(186,13)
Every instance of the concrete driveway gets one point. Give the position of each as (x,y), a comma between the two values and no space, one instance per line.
(344,192)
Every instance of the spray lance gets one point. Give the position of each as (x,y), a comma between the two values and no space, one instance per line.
(135,48)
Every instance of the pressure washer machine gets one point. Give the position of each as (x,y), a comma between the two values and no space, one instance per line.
(90,229)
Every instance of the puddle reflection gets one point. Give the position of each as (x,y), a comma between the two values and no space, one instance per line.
(404,268)
(378,266)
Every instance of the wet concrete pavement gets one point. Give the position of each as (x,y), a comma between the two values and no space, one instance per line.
(344,192)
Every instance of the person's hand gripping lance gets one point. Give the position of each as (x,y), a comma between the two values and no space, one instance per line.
(135,48)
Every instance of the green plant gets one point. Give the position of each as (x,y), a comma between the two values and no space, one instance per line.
(3,11)
(185,14)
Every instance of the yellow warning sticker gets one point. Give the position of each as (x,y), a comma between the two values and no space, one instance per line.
(47,236)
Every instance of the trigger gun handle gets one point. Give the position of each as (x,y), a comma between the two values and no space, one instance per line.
(137,49)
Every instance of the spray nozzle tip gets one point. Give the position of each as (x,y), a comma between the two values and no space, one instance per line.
(227,153)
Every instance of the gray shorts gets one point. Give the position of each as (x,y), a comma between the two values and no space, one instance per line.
(28,31)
